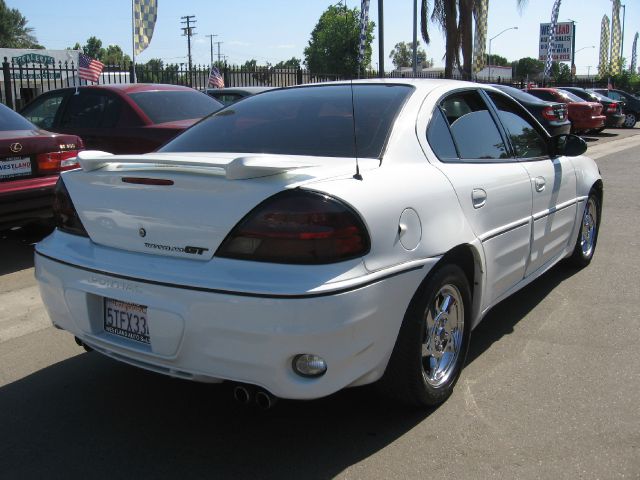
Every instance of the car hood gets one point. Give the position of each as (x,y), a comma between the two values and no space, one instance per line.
(160,203)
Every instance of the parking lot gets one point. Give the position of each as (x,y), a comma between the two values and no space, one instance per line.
(550,389)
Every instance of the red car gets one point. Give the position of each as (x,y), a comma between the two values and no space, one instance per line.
(123,118)
(30,161)
(584,115)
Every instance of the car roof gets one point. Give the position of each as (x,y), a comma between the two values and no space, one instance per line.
(127,88)
(249,90)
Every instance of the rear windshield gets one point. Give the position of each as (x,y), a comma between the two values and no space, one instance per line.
(314,121)
(168,106)
(519,94)
(571,96)
(10,120)
(599,97)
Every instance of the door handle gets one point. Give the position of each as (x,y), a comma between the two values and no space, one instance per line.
(478,197)
(539,183)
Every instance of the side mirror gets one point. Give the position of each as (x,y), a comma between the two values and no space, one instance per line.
(568,145)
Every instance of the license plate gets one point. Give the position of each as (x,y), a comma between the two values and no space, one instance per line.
(15,167)
(127,320)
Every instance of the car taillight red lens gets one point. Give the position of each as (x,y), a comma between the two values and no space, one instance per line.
(53,162)
(549,113)
(612,108)
(298,227)
(64,212)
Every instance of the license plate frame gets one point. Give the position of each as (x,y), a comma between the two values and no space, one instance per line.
(126,320)
(15,167)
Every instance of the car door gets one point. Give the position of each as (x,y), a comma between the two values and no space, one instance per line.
(93,115)
(553,183)
(492,187)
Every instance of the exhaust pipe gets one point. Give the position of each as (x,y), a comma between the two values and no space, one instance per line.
(243,394)
(265,400)
(80,343)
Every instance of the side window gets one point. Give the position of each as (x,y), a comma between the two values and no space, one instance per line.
(525,139)
(90,110)
(439,137)
(42,112)
(475,134)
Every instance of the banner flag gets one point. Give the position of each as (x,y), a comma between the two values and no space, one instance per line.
(481,12)
(634,54)
(603,66)
(364,22)
(145,13)
(552,37)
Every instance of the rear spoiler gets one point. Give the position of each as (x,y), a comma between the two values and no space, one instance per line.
(235,169)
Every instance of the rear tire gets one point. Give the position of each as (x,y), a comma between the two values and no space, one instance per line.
(630,120)
(588,236)
(432,344)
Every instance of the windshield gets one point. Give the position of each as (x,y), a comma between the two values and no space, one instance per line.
(170,105)
(10,120)
(314,121)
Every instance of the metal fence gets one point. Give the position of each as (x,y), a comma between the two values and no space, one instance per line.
(21,83)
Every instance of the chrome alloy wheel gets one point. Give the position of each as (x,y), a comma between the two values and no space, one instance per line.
(442,341)
(629,120)
(589,226)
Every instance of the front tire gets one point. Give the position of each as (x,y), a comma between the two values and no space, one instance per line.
(432,344)
(588,236)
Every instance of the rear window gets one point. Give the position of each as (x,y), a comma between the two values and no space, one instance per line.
(314,121)
(168,106)
(10,120)
(519,94)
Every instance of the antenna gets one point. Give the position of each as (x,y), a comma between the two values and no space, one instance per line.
(357,176)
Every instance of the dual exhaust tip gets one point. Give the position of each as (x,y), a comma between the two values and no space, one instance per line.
(247,394)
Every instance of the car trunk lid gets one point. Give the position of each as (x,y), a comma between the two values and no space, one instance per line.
(184,205)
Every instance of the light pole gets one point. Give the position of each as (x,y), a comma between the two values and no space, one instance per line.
(490,40)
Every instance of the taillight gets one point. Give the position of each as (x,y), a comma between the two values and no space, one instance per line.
(64,212)
(54,162)
(612,108)
(549,113)
(298,227)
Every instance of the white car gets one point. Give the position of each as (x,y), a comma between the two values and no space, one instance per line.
(281,245)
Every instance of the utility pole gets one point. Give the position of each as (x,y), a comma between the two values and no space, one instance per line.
(188,32)
(211,40)
(381,38)
(219,55)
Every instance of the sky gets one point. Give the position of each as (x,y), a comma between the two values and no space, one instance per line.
(275,30)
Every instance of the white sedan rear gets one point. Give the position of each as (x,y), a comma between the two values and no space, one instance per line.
(319,237)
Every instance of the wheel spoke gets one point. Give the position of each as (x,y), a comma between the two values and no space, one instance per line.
(446,304)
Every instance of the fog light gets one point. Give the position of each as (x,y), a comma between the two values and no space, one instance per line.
(308,365)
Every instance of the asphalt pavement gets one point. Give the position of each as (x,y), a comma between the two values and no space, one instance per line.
(551,389)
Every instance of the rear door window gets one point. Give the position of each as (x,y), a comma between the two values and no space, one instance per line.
(90,109)
(474,131)
(42,111)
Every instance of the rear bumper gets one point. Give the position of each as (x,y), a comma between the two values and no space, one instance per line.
(556,128)
(207,336)
(616,120)
(589,123)
(22,201)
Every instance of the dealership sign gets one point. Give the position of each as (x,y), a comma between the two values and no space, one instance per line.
(562,43)
(33,64)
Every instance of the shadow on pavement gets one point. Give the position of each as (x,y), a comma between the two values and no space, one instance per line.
(91,417)
(502,318)
(17,247)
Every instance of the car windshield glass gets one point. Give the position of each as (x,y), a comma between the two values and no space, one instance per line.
(10,120)
(314,121)
(571,96)
(168,106)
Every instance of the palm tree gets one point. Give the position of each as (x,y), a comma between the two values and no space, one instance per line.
(455,18)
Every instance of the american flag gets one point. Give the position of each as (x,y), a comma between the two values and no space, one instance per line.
(215,79)
(88,68)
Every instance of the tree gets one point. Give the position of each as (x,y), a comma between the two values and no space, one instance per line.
(93,48)
(293,64)
(528,68)
(250,64)
(14,32)
(402,55)
(113,55)
(455,18)
(335,42)
(497,60)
